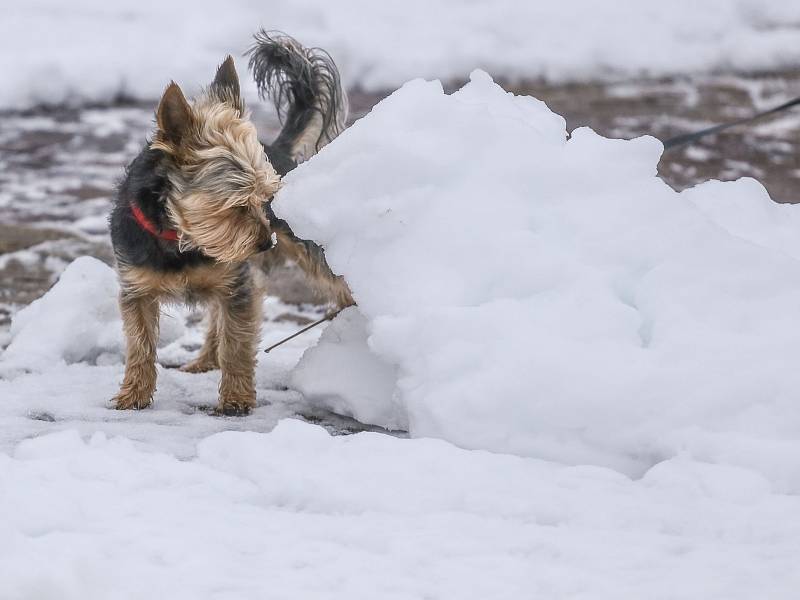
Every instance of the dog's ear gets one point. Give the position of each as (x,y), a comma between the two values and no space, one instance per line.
(225,86)
(174,115)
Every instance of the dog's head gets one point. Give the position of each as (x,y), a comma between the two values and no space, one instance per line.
(220,179)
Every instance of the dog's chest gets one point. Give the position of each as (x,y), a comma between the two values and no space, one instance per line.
(189,285)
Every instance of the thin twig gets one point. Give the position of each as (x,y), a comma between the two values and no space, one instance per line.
(327,317)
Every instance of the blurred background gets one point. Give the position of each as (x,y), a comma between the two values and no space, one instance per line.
(81,80)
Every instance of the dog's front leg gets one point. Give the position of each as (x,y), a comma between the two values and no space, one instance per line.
(239,329)
(140,322)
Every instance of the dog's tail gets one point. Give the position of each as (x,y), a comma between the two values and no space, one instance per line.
(305,86)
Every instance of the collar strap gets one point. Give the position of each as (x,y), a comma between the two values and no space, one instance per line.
(165,234)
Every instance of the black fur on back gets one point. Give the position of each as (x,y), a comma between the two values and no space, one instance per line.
(146,184)
(301,82)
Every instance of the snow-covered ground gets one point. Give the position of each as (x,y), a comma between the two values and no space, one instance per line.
(65,361)
(52,52)
(609,364)
(299,514)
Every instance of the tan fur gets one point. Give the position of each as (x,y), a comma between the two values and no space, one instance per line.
(190,285)
(231,344)
(306,144)
(140,321)
(238,334)
(220,182)
(331,286)
(309,141)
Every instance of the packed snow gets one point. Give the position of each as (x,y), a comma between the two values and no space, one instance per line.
(342,375)
(299,514)
(95,50)
(547,295)
(77,321)
(608,364)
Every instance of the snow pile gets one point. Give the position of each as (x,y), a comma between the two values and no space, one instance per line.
(94,50)
(78,320)
(552,297)
(299,514)
(342,375)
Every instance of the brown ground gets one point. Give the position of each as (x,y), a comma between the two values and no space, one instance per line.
(768,150)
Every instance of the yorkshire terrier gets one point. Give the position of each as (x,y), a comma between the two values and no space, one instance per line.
(192,214)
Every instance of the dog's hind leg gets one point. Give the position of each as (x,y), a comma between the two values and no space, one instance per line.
(140,322)
(239,332)
(208,359)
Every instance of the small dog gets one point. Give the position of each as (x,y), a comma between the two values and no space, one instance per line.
(193,210)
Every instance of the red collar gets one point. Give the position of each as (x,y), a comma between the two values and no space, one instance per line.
(165,234)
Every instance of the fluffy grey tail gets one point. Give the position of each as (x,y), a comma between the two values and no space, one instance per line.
(305,87)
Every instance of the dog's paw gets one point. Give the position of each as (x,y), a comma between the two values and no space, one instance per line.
(235,407)
(199,366)
(132,401)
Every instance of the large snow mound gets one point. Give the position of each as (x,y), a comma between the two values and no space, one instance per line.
(299,514)
(94,50)
(551,296)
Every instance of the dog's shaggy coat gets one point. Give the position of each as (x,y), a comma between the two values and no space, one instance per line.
(193,211)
